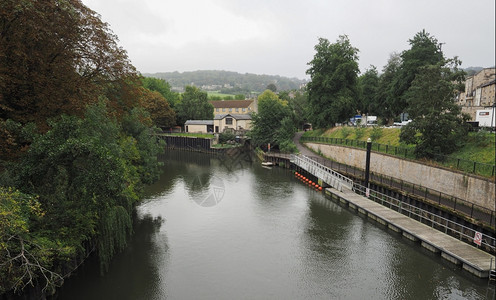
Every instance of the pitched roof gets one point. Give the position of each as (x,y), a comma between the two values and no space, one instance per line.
(231,103)
(235,116)
(488,83)
(199,122)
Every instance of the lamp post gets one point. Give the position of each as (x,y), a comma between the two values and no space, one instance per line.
(367,166)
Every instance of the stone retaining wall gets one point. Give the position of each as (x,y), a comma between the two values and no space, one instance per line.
(471,188)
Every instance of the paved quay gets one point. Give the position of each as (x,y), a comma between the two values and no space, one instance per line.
(471,259)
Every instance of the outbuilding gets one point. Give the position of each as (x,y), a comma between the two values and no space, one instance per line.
(199,126)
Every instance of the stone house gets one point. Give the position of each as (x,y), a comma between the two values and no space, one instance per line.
(236,122)
(479,92)
(238,107)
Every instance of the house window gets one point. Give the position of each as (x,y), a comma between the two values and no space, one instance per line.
(244,109)
(223,109)
(217,109)
(237,109)
(228,121)
(230,109)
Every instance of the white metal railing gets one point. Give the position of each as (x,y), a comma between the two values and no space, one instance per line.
(436,221)
(326,174)
(338,181)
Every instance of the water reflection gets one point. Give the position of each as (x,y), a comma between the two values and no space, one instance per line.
(133,274)
(270,237)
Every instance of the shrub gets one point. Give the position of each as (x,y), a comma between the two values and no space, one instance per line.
(345,132)
(376,133)
(359,132)
(481,138)
(287,146)
(226,136)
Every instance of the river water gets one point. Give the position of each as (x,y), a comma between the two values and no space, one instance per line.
(228,228)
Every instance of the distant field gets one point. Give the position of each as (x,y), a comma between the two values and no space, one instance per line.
(219,94)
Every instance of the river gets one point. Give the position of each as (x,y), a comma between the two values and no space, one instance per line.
(228,228)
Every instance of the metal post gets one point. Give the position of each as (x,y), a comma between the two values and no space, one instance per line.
(367,163)
(492,117)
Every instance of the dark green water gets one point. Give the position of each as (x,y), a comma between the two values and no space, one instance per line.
(226,228)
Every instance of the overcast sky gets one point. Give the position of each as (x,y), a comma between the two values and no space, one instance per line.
(277,37)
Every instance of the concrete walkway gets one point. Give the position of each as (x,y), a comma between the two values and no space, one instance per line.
(303,150)
(433,196)
(458,252)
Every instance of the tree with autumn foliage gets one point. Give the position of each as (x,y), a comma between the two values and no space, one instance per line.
(159,109)
(57,57)
(163,87)
(76,146)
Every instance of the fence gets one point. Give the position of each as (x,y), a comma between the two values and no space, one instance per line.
(442,224)
(464,207)
(468,166)
(328,175)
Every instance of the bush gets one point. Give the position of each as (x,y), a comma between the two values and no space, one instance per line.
(226,136)
(359,132)
(345,132)
(481,138)
(287,146)
(376,133)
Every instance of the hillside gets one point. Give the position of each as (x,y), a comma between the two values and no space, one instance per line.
(472,70)
(226,81)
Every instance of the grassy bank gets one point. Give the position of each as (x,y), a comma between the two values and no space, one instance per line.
(190,134)
(479,147)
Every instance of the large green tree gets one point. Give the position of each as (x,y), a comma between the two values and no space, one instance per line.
(424,50)
(298,103)
(87,175)
(70,100)
(383,104)
(368,87)
(163,87)
(194,105)
(273,123)
(332,90)
(438,126)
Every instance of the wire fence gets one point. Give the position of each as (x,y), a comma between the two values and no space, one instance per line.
(469,166)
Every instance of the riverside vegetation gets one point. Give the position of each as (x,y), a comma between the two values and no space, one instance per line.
(76,147)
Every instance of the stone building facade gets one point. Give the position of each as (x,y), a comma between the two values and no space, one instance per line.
(222,107)
(479,92)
